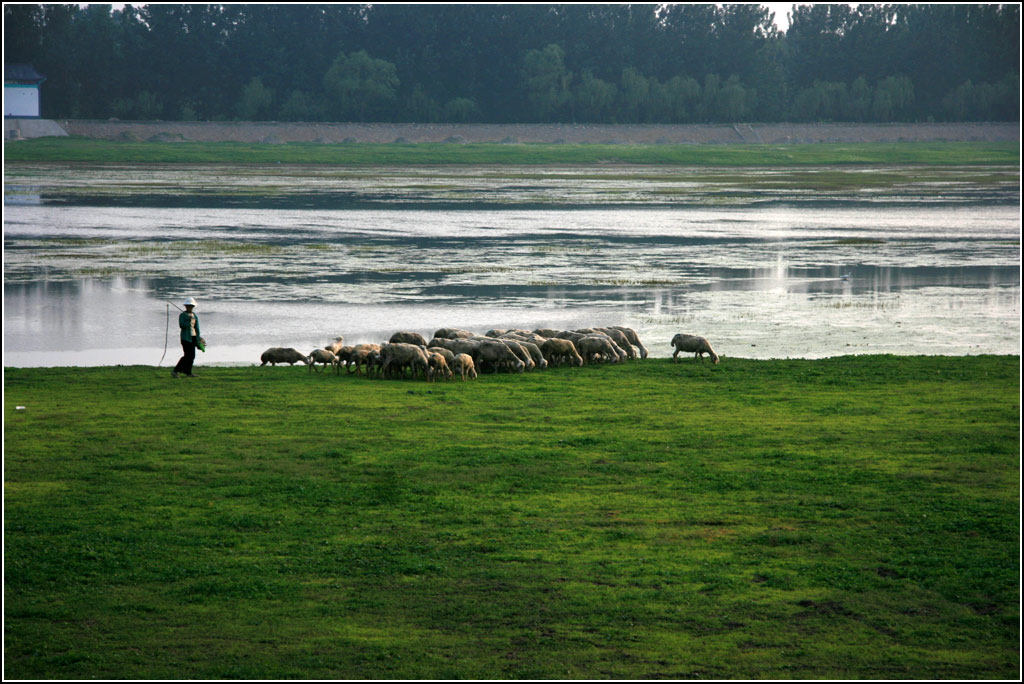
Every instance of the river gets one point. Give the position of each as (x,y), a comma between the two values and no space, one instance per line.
(764,263)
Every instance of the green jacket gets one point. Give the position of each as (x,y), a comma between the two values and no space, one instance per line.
(186,328)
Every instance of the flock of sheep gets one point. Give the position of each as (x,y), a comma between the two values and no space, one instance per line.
(454,352)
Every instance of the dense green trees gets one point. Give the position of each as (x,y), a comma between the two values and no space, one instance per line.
(522,63)
(359,87)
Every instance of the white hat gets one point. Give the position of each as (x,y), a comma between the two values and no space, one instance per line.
(190,301)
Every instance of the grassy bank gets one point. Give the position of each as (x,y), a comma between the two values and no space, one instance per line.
(846,518)
(72,149)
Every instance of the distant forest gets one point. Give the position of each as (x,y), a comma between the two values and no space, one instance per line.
(521,63)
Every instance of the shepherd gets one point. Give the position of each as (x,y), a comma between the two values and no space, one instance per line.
(190,340)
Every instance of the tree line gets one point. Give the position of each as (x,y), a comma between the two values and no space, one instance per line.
(521,63)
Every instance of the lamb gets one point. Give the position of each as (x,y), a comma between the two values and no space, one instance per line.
(692,343)
(438,365)
(448,354)
(463,366)
(276,355)
(324,356)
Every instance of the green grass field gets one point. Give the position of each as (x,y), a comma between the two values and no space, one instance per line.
(845,518)
(75,149)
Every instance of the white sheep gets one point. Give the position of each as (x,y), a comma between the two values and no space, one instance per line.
(698,346)
(464,366)
(324,356)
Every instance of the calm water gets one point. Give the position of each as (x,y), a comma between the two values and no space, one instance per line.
(296,257)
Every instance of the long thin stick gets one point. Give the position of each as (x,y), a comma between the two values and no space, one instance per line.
(167,329)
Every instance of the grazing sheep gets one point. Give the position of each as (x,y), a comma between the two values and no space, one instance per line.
(341,357)
(337,344)
(634,339)
(472,346)
(324,356)
(533,350)
(374,364)
(457,345)
(619,351)
(439,343)
(453,333)
(397,356)
(520,351)
(438,365)
(557,350)
(448,354)
(547,333)
(496,354)
(408,338)
(513,332)
(621,340)
(523,336)
(598,347)
(571,335)
(463,366)
(360,357)
(692,343)
(276,355)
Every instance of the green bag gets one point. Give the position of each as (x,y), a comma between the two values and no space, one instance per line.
(201,344)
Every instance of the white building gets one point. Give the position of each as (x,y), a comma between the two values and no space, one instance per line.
(21,91)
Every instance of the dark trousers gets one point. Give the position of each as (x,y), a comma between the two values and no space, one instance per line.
(186,361)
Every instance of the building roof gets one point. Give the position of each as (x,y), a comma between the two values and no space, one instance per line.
(22,73)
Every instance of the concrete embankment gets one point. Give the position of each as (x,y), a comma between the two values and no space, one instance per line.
(751,133)
(648,134)
(17,128)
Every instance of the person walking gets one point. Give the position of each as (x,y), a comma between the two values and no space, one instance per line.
(189,324)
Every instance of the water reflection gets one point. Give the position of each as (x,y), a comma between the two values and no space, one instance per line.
(760,313)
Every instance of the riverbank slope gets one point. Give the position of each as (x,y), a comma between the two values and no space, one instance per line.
(646,134)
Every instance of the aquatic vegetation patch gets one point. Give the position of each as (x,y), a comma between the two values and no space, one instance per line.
(861,304)
(639,282)
(547,249)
